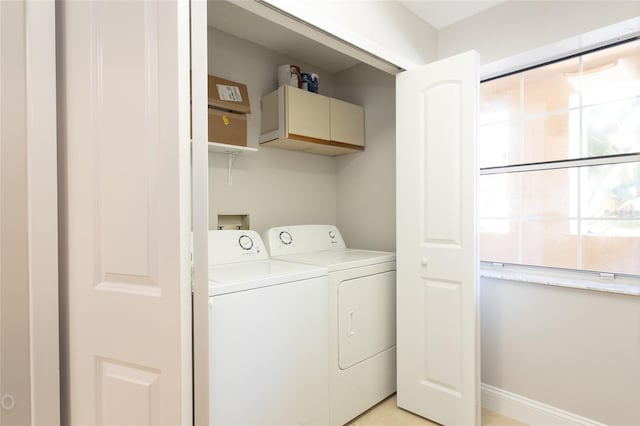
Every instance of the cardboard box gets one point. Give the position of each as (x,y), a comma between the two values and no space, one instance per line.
(228,95)
(227,127)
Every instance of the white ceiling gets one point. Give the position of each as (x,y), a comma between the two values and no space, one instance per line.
(241,23)
(441,13)
(236,21)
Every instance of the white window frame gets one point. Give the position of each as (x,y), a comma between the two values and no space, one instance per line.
(588,280)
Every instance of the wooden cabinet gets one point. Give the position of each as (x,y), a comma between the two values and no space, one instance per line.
(303,121)
(347,122)
(307,114)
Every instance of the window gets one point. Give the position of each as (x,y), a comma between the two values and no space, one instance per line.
(559,151)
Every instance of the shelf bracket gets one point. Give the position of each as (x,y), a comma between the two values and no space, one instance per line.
(231,152)
(231,158)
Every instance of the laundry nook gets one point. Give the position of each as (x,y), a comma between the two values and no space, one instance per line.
(321,212)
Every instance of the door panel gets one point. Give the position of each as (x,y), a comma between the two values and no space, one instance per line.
(366,317)
(125,273)
(308,114)
(442,326)
(441,203)
(347,122)
(127,395)
(124,168)
(438,343)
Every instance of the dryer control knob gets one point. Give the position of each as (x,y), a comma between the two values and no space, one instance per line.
(245,242)
(286,237)
(332,235)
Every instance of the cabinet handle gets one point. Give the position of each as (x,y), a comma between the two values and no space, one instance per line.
(351,330)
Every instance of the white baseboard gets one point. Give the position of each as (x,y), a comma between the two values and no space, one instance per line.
(528,411)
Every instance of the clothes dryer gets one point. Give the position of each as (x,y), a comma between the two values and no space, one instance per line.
(362,314)
(267,335)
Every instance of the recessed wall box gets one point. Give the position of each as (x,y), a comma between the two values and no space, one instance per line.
(233,221)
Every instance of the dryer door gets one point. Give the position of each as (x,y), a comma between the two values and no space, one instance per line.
(366,317)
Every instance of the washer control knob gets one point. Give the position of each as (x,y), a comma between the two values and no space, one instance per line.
(332,235)
(245,242)
(286,237)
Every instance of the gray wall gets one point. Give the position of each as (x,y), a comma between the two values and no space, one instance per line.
(576,350)
(356,192)
(366,181)
(275,186)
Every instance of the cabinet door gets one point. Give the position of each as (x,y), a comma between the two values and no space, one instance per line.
(347,122)
(124,155)
(307,114)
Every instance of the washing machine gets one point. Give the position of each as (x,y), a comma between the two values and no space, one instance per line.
(267,335)
(362,314)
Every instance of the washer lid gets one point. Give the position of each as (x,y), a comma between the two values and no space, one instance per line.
(336,260)
(235,277)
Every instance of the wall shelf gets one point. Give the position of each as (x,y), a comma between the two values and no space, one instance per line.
(232,151)
(222,148)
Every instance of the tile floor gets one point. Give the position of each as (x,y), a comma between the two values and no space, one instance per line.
(387,413)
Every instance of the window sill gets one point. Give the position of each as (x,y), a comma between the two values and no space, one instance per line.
(568,280)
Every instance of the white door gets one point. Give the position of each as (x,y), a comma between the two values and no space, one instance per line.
(437,293)
(123,79)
